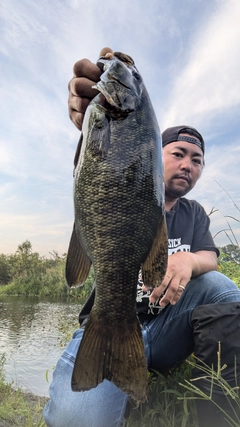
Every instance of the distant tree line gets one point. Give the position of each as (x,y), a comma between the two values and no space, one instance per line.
(28,273)
(23,263)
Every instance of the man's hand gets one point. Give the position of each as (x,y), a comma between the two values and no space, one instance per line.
(177,276)
(182,266)
(86,74)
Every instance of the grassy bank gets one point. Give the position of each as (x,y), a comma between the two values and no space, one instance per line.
(18,409)
(167,404)
(170,403)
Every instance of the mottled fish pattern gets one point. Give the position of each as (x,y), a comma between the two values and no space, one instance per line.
(119,225)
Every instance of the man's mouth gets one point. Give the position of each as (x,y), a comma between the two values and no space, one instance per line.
(183,177)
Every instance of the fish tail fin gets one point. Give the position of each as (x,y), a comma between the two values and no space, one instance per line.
(112,353)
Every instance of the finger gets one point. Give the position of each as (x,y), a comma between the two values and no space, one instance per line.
(77,118)
(157,292)
(76,109)
(78,104)
(82,87)
(172,295)
(85,68)
(166,299)
(105,50)
(176,297)
(155,295)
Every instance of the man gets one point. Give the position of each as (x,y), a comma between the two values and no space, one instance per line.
(193,309)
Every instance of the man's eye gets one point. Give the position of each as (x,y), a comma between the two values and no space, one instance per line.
(177,154)
(197,161)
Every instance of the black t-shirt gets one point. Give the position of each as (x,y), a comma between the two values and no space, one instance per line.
(188,228)
(188,231)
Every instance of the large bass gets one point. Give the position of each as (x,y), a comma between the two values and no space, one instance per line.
(119,225)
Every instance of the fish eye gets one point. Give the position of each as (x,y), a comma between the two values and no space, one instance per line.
(136,75)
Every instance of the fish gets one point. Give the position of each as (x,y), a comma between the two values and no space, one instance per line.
(119,225)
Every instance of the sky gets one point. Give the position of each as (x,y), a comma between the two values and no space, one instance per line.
(188,53)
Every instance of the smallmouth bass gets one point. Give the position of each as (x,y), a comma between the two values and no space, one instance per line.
(119,225)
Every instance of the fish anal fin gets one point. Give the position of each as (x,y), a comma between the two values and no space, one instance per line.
(155,265)
(78,263)
(115,353)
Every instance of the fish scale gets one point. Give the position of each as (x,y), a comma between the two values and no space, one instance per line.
(119,226)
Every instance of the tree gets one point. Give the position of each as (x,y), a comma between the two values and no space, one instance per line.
(230,253)
(26,262)
(5,270)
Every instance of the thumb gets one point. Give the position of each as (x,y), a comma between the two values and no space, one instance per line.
(105,50)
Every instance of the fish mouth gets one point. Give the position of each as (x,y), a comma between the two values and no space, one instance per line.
(111,77)
(113,105)
(103,102)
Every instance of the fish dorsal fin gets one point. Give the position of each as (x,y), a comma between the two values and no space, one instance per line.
(78,263)
(155,265)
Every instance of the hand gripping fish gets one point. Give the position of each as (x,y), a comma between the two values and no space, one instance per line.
(119,225)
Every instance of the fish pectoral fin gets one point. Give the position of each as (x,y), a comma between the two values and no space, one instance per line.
(111,352)
(78,263)
(155,265)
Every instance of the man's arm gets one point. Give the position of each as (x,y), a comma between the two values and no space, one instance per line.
(182,266)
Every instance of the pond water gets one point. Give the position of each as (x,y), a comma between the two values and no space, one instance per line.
(33,333)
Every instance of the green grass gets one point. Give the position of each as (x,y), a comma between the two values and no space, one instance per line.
(18,409)
(171,398)
(168,403)
(215,378)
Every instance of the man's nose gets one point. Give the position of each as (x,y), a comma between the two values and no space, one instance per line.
(186,164)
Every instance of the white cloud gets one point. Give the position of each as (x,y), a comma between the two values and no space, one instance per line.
(210,80)
(217,189)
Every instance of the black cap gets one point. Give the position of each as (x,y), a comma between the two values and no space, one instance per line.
(174,134)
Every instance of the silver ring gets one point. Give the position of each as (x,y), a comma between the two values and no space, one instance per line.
(181,287)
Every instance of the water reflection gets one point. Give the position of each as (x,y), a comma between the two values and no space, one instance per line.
(32,330)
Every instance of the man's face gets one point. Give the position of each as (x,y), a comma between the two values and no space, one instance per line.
(183,164)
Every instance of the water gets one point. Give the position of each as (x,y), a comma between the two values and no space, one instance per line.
(33,333)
